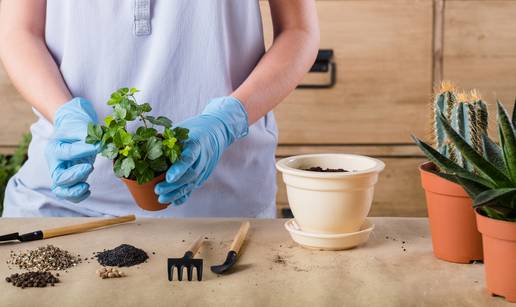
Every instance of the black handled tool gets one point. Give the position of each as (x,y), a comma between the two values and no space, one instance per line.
(187,262)
(232,256)
(66,230)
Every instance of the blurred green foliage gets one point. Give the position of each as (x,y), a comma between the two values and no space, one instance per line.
(10,164)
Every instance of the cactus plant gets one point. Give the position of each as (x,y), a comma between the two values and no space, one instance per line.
(467,114)
(492,182)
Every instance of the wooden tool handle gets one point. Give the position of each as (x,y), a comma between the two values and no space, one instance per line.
(66,230)
(194,248)
(240,237)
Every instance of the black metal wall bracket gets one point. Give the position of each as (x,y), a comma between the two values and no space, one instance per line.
(323,64)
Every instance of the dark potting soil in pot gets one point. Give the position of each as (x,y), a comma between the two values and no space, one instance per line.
(325,170)
(124,255)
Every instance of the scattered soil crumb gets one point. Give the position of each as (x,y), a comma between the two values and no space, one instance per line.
(298,269)
(205,238)
(279,259)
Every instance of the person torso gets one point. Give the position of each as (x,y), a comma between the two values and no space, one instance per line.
(180,54)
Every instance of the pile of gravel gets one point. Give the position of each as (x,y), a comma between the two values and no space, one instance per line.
(45,258)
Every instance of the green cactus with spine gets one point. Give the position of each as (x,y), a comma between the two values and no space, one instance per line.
(467,114)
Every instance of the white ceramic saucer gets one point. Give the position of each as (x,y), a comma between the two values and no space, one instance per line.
(329,241)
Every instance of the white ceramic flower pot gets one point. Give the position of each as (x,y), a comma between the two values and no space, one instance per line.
(331,203)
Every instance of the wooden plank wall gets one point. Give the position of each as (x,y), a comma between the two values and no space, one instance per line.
(389,55)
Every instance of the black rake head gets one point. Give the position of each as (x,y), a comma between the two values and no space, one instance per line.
(186,262)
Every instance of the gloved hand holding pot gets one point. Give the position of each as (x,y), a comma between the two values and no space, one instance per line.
(156,158)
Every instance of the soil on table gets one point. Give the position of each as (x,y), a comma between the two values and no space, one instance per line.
(278,259)
(325,170)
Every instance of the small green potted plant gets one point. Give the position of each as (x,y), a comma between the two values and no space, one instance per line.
(455,237)
(142,157)
(491,182)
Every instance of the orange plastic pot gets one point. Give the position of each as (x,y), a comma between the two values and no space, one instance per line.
(455,237)
(144,194)
(499,239)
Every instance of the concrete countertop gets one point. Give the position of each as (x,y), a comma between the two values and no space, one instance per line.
(383,272)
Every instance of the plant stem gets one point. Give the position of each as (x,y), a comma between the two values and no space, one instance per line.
(140,115)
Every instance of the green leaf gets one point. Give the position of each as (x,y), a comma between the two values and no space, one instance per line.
(159,165)
(94,133)
(110,151)
(153,148)
(448,166)
(160,121)
(122,138)
(145,176)
(493,153)
(170,142)
(125,137)
(449,177)
(125,151)
(134,90)
(120,112)
(484,167)
(145,107)
(490,196)
(146,133)
(471,187)
(507,140)
(115,99)
(132,113)
(117,168)
(181,133)
(136,153)
(108,120)
(127,166)
(167,133)
(123,90)
(173,156)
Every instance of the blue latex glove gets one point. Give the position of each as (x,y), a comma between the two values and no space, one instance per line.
(223,121)
(69,158)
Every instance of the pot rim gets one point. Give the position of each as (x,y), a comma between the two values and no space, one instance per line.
(502,222)
(496,229)
(135,182)
(283,167)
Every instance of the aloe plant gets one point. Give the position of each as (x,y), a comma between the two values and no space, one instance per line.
(467,114)
(491,179)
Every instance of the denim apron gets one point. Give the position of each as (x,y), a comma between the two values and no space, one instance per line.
(181,54)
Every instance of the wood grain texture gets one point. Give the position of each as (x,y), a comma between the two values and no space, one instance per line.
(402,151)
(239,239)
(78,228)
(480,48)
(438,41)
(383,51)
(398,192)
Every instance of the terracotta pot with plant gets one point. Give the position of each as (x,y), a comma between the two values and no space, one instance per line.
(142,157)
(492,185)
(455,237)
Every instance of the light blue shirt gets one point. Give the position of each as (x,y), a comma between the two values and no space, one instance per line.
(180,54)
